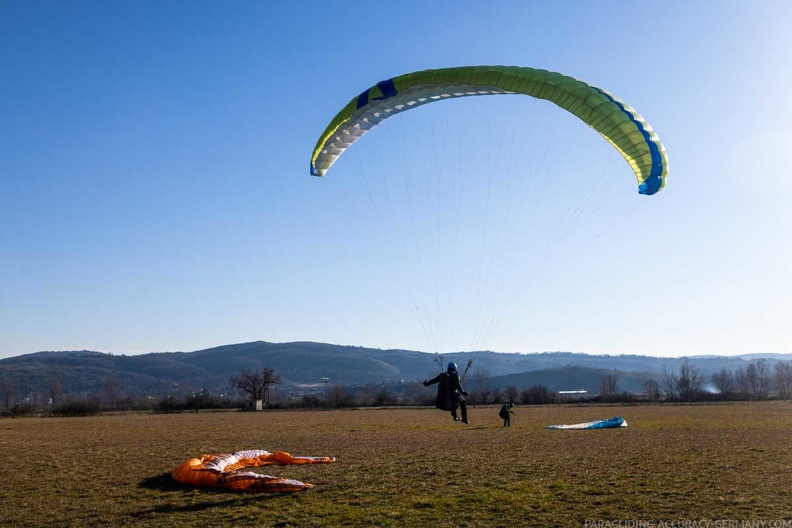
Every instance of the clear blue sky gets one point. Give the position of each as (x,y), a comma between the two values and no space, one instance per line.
(155,193)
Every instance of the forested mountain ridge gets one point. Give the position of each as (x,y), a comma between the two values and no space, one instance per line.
(303,365)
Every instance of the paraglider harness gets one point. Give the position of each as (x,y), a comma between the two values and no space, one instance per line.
(449,389)
(447,398)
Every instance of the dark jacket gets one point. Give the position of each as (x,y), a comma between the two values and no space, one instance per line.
(449,390)
(505,411)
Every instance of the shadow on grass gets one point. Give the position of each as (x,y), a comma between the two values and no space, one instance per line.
(164,482)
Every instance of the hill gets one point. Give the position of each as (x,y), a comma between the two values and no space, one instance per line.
(302,365)
(572,377)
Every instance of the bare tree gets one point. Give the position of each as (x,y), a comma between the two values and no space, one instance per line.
(537,394)
(383,398)
(783,379)
(55,390)
(482,394)
(743,384)
(608,385)
(339,397)
(9,391)
(670,385)
(511,393)
(724,382)
(765,377)
(364,397)
(652,389)
(256,383)
(112,391)
(689,381)
(481,376)
(758,376)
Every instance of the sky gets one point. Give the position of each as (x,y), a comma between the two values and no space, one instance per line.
(155,191)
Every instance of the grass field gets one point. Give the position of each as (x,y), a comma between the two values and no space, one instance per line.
(408,467)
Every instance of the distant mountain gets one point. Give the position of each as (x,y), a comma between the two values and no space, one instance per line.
(302,365)
(768,356)
(571,377)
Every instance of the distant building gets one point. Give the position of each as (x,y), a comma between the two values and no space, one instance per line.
(255,405)
(570,394)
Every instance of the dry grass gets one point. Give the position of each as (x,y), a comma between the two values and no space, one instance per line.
(402,467)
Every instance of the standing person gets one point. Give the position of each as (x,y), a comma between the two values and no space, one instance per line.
(450,394)
(505,413)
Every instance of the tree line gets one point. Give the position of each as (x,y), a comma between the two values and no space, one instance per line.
(757,381)
(258,389)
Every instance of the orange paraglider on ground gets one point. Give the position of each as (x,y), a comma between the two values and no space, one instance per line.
(226,471)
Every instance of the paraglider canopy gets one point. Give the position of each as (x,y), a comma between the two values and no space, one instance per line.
(472,220)
(608,423)
(614,119)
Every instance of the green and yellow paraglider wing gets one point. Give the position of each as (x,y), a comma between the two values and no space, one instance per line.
(615,120)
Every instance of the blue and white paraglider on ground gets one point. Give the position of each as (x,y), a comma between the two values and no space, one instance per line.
(609,423)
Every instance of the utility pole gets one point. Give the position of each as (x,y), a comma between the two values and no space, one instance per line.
(325,380)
